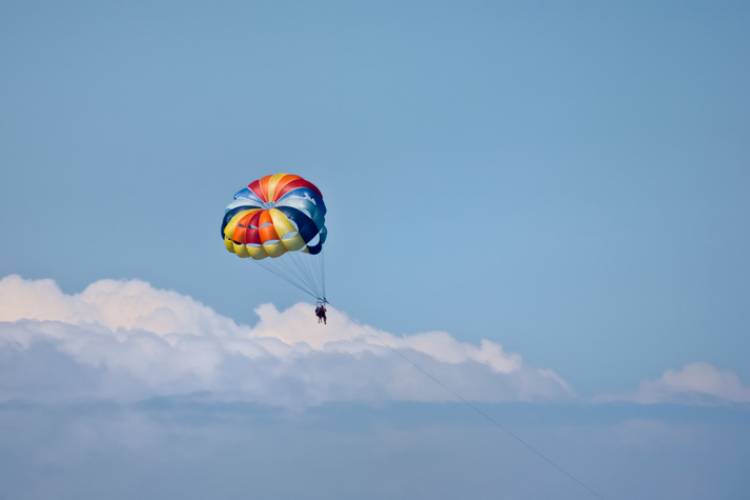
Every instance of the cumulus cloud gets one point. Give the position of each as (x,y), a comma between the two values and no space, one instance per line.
(693,383)
(127,339)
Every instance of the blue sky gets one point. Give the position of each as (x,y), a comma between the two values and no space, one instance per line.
(567,181)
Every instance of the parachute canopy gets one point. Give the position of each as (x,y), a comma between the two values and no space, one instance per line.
(274,219)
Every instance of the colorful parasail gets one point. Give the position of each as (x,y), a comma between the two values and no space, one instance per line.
(279,221)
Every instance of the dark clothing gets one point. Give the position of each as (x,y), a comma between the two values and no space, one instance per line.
(320,312)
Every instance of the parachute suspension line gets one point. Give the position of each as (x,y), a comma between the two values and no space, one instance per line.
(303,263)
(295,267)
(303,272)
(318,274)
(500,426)
(285,268)
(323,272)
(287,279)
(311,264)
(292,257)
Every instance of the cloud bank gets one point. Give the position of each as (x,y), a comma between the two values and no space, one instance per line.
(695,383)
(128,340)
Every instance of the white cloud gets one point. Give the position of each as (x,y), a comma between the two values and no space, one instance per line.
(126,339)
(693,383)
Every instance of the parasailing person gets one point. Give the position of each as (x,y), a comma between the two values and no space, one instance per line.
(278,222)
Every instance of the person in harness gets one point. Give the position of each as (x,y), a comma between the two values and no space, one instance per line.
(320,312)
